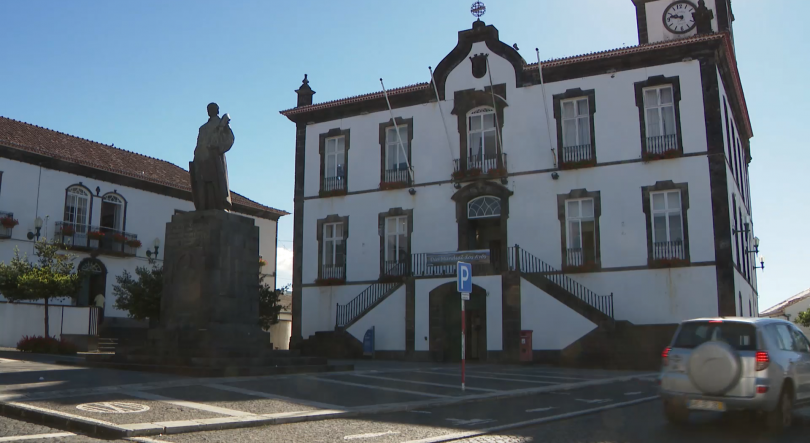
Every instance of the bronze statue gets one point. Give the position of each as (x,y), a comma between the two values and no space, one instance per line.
(209,171)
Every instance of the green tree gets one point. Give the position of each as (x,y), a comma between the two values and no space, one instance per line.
(140,297)
(51,276)
(269,304)
(803,318)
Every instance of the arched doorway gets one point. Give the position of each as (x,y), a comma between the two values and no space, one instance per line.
(482,212)
(445,324)
(93,283)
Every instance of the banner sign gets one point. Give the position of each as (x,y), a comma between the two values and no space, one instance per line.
(451,258)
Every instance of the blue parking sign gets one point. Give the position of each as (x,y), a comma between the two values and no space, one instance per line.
(464,274)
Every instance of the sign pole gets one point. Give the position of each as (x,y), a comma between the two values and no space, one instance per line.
(464,286)
(463,338)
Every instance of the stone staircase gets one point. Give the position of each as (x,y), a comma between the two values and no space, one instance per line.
(361,305)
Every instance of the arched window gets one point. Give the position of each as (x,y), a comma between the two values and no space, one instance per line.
(77,208)
(484,207)
(112,212)
(482,137)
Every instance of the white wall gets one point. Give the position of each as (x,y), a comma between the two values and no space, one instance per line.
(554,325)
(21,319)
(388,320)
(27,195)
(656,30)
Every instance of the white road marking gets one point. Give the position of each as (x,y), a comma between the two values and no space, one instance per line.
(273,396)
(425,383)
(145,440)
(520,374)
(370,435)
(381,388)
(541,409)
(189,404)
(632,393)
(469,422)
(37,436)
(594,401)
(421,412)
(492,378)
(59,413)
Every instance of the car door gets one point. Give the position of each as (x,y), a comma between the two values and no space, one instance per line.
(786,357)
(802,348)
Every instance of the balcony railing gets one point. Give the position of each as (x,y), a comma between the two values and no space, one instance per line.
(396,268)
(398,175)
(4,231)
(669,250)
(480,165)
(331,184)
(579,153)
(98,238)
(333,272)
(661,144)
(574,257)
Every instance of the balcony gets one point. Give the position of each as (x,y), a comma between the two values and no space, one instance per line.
(578,259)
(662,147)
(332,275)
(421,268)
(96,238)
(7,224)
(668,253)
(395,270)
(396,178)
(333,186)
(573,157)
(487,166)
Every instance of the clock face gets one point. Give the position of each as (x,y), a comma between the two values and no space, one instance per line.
(678,17)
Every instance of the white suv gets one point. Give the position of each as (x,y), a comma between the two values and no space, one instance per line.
(736,364)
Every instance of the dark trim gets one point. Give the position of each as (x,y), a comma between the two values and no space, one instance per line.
(478,189)
(275,256)
(1,181)
(723,13)
(335,132)
(718,184)
(381,217)
(469,99)
(410,316)
(347,283)
(590,94)
(480,32)
(659,80)
(383,142)
(333,218)
(510,316)
(736,226)
(597,213)
(667,185)
(641,22)
(298,234)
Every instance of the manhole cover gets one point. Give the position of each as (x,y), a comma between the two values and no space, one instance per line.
(113,407)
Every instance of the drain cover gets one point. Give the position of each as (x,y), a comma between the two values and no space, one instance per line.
(113,407)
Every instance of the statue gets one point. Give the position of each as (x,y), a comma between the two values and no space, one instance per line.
(209,171)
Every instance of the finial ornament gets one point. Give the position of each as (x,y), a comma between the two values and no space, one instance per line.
(478,9)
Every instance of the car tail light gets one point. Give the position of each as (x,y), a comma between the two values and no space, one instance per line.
(665,354)
(715,321)
(762,360)
(762,389)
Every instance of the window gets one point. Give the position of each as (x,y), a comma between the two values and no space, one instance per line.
(397,154)
(667,225)
(334,255)
(574,111)
(738,335)
(575,122)
(783,337)
(333,172)
(396,244)
(482,139)
(659,111)
(112,212)
(580,232)
(799,340)
(484,207)
(77,208)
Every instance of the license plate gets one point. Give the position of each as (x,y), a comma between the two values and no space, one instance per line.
(706,405)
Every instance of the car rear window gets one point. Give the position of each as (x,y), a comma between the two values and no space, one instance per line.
(740,336)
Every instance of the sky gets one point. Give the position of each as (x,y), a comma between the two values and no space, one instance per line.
(138,74)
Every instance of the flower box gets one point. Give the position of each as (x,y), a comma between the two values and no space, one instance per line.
(498,172)
(9,222)
(578,164)
(588,266)
(474,172)
(68,230)
(119,238)
(134,243)
(95,235)
(669,263)
(330,281)
(672,153)
(392,185)
(392,279)
(333,193)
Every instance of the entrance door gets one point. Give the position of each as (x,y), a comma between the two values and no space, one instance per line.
(445,324)
(94,282)
(484,218)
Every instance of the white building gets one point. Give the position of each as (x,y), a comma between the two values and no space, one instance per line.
(789,309)
(99,199)
(626,170)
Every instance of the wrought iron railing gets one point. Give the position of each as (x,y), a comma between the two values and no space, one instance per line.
(4,231)
(579,153)
(662,143)
(96,238)
(421,268)
(398,175)
(668,250)
(486,164)
(574,257)
(396,268)
(333,272)
(333,184)
(92,323)
(349,312)
(521,260)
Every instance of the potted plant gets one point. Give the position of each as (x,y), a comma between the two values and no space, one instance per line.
(9,222)
(95,237)
(119,238)
(262,263)
(134,243)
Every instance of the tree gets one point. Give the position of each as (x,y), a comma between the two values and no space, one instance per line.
(141,297)
(269,304)
(803,318)
(52,276)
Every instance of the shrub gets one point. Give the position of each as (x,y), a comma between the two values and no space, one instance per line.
(46,345)
(134,243)
(9,222)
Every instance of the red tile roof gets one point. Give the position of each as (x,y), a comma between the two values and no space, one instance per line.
(554,63)
(38,140)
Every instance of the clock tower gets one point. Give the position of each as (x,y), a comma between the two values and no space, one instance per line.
(662,20)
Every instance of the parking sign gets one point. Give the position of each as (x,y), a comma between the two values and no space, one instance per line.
(464,274)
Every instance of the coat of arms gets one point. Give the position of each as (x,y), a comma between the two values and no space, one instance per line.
(479,65)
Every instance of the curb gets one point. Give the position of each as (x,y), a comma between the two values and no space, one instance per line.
(94,427)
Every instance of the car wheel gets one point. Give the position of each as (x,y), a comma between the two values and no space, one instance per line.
(782,416)
(677,415)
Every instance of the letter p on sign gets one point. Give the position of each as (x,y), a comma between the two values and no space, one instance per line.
(464,274)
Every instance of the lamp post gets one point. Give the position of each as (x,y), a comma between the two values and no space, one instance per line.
(37,227)
(156,245)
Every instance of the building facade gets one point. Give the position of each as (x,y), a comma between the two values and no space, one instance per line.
(110,206)
(608,188)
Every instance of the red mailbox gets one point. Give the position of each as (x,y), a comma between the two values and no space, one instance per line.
(525,346)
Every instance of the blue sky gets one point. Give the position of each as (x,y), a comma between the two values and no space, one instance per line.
(139,74)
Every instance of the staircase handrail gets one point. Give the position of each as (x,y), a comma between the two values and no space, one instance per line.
(350,311)
(523,261)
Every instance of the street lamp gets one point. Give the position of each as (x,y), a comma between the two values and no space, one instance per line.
(38,227)
(156,245)
(756,246)
(761,263)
